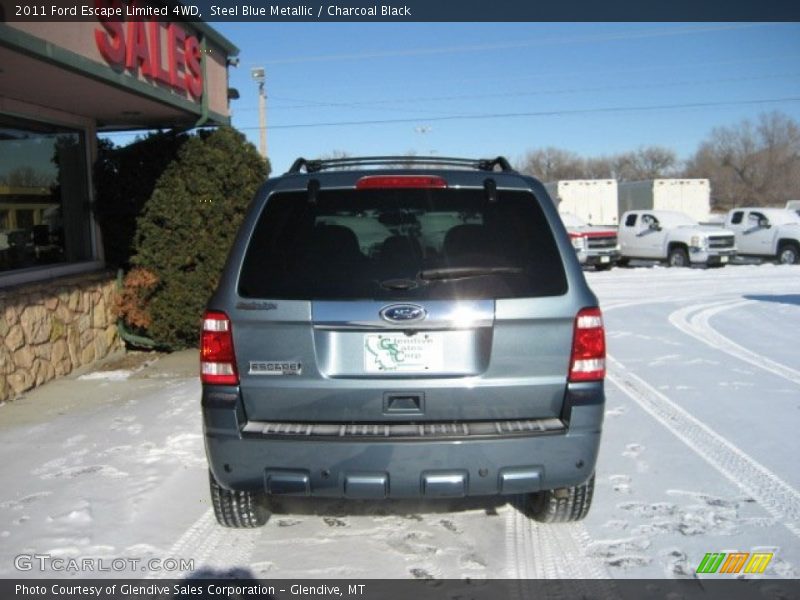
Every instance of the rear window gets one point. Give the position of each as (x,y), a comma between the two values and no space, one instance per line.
(402,244)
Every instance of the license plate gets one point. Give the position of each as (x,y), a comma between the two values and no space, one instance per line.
(605,259)
(723,259)
(397,352)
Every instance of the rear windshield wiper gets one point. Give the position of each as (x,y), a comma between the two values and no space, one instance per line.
(465,272)
(399,284)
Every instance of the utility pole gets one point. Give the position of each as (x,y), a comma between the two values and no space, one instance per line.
(259,76)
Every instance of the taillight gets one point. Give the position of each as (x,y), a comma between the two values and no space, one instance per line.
(217,359)
(375,182)
(588,361)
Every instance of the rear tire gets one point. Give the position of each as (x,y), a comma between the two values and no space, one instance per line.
(789,254)
(563,505)
(678,257)
(238,509)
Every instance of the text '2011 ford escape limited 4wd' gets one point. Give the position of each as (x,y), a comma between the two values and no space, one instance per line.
(402,328)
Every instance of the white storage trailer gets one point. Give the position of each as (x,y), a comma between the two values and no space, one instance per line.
(593,200)
(689,196)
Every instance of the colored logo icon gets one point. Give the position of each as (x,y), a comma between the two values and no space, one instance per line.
(734,562)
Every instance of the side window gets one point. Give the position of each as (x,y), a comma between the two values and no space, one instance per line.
(630,220)
(753,218)
(652,222)
(737,217)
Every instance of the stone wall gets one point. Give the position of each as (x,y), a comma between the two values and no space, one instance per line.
(49,329)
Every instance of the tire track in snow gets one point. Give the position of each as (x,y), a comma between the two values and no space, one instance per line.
(191,539)
(213,548)
(694,321)
(777,497)
(548,551)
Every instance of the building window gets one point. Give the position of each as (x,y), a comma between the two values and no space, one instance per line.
(44,195)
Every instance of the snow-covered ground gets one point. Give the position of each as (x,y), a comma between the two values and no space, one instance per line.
(699,455)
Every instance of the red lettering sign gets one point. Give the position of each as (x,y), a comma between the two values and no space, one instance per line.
(138,51)
(194,75)
(137,47)
(177,38)
(111,39)
(157,70)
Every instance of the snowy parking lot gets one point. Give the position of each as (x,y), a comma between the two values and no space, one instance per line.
(699,455)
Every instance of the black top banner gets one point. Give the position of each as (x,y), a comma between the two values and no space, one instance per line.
(401,10)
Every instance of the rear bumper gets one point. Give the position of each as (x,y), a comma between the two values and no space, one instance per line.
(410,468)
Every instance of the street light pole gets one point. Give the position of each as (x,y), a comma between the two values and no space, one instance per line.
(259,76)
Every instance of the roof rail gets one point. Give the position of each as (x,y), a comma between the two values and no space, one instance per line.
(478,164)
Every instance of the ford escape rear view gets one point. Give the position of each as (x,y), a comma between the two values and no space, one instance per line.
(398,328)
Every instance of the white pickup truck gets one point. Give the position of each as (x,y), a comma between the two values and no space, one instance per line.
(673,237)
(595,245)
(766,232)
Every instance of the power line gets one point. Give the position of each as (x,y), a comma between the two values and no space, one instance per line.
(367,103)
(514,115)
(539,76)
(549,113)
(562,40)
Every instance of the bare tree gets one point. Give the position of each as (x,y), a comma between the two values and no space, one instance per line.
(623,167)
(551,164)
(652,162)
(600,167)
(334,154)
(751,163)
(748,163)
(648,162)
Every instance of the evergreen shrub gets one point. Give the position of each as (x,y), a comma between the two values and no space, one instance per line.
(188,226)
(124,180)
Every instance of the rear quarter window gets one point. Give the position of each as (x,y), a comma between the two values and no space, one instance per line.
(402,244)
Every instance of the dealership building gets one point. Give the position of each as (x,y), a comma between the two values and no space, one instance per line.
(62,83)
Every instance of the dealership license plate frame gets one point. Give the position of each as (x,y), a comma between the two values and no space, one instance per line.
(398,352)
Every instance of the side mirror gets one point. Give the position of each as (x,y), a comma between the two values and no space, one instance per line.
(654,226)
(763,223)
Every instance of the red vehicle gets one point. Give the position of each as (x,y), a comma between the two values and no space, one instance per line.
(596,246)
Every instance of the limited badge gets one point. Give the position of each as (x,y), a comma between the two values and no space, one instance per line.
(275,367)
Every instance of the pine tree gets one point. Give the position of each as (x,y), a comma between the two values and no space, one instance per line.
(188,226)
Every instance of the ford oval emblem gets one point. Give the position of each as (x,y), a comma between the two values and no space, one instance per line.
(403,313)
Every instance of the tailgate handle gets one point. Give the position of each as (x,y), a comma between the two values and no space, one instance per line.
(404,402)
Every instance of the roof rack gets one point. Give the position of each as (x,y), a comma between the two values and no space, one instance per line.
(478,164)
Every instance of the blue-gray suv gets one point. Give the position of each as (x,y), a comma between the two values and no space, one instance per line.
(402,327)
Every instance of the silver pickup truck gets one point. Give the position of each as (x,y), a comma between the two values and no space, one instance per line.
(673,237)
(766,232)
